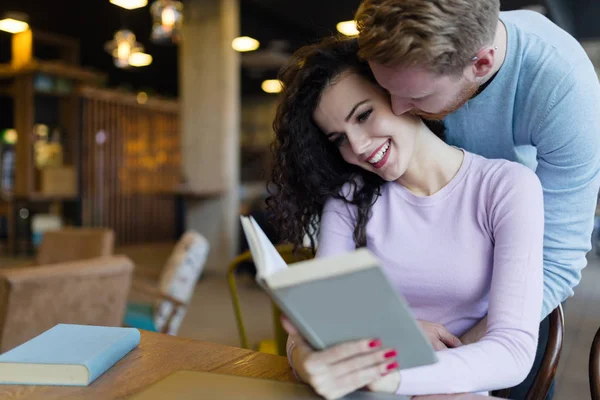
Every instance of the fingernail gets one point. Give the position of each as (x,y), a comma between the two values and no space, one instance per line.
(390,354)
(375,343)
(393,365)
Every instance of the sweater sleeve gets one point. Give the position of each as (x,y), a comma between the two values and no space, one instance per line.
(336,229)
(504,356)
(567,140)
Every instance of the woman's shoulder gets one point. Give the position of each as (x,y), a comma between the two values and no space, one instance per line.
(343,201)
(492,172)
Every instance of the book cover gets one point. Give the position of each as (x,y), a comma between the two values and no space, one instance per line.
(69,355)
(338,299)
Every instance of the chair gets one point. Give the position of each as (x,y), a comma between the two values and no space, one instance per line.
(541,384)
(71,244)
(276,346)
(170,298)
(88,292)
(595,367)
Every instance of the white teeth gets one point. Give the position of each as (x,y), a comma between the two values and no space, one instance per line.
(379,156)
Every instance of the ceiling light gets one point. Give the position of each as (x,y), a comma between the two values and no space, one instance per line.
(14,22)
(245,43)
(167,17)
(140,59)
(130,4)
(122,47)
(347,28)
(272,86)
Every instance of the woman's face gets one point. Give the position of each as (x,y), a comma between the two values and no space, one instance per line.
(356,116)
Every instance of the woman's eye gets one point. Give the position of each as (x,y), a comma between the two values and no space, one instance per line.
(339,141)
(364,116)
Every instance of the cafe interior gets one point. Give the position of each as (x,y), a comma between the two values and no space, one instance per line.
(134,133)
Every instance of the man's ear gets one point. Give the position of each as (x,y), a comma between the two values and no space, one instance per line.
(483,62)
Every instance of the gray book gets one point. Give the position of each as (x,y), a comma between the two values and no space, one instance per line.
(337,299)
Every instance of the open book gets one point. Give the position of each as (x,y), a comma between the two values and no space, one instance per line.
(338,299)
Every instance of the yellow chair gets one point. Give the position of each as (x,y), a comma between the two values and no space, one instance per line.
(276,346)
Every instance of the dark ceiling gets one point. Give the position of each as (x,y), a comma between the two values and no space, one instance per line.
(94,22)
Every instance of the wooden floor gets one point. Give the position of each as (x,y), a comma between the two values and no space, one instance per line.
(210,316)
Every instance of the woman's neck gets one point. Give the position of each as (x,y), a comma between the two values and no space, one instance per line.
(433,164)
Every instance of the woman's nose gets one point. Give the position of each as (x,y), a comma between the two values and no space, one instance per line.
(360,142)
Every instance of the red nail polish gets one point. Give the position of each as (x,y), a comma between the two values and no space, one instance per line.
(393,365)
(390,354)
(375,343)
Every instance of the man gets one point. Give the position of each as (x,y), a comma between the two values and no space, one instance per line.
(507,85)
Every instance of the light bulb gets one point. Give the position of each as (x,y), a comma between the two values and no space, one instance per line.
(168,18)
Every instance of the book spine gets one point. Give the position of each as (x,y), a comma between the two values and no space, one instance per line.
(112,354)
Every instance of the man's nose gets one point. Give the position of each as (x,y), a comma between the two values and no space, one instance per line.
(401,106)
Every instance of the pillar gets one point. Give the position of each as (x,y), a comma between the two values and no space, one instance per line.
(210,124)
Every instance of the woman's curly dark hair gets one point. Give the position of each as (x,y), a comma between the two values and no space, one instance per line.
(308,169)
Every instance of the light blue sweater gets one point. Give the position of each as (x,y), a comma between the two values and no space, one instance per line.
(543,110)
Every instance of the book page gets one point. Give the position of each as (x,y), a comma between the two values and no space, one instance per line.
(273,262)
(253,244)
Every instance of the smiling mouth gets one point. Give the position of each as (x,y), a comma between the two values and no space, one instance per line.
(379,154)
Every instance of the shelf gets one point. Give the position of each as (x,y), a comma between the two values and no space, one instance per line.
(58,69)
(192,193)
(36,197)
(153,102)
(254,148)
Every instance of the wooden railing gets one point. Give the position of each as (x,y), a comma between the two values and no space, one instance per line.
(130,165)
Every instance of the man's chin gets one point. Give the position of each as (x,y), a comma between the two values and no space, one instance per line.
(465,94)
(429,116)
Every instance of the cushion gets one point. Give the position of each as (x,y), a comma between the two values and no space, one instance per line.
(141,316)
(180,275)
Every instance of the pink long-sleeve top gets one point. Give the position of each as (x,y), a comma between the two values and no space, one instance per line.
(472,249)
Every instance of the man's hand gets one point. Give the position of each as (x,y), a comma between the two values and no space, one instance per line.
(475,333)
(439,336)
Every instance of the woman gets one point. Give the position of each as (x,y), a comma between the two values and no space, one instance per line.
(460,236)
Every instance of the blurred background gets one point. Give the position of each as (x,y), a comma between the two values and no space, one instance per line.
(150,118)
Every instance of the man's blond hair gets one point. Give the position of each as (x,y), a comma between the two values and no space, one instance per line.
(442,35)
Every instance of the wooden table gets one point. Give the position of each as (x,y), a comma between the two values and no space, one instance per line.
(158,356)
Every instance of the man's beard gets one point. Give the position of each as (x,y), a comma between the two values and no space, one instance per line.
(463,96)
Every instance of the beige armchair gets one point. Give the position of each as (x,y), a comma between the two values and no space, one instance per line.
(73,244)
(88,292)
(166,303)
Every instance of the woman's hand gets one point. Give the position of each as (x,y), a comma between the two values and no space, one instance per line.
(344,368)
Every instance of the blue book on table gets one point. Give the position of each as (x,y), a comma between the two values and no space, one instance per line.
(69,355)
